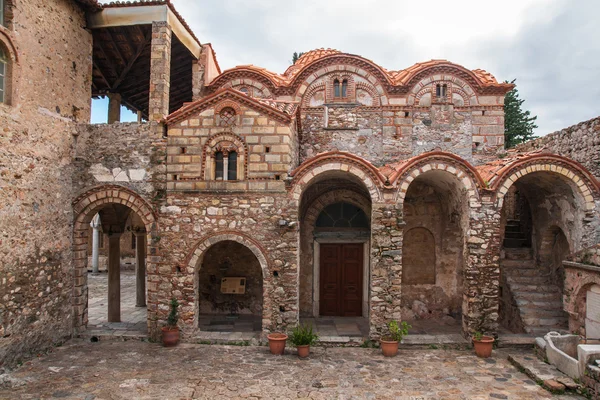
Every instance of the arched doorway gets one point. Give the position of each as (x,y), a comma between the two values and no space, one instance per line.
(541,221)
(436,220)
(229,289)
(111,298)
(335,222)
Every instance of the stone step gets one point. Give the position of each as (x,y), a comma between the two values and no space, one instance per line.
(552,304)
(550,322)
(536,296)
(518,287)
(541,331)
(512,228)
(525,272)
(514,243)
(514,235)
(532,311)
(523,253)
(529,280)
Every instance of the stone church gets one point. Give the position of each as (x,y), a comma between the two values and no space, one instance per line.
(336,190)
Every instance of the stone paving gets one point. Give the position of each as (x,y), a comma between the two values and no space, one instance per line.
(138,370)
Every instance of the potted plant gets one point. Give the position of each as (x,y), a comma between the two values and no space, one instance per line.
(277,342)
(483,344)
(302,336)
(170,332)
(389,343)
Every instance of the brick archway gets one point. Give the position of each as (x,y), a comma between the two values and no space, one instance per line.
(194,263)
(343,162)
(85,208)
(464,172)
(580,179)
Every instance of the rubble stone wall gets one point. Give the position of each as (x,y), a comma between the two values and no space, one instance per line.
(579,142)
(50,91)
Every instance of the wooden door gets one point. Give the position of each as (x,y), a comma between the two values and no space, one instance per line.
(341,275)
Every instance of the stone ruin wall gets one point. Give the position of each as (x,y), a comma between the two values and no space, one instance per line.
(579,142)
(50,91)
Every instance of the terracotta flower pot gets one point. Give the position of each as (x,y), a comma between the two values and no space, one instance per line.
(303,351)
(483,347)
(170,336)
(277,342)
(389,348)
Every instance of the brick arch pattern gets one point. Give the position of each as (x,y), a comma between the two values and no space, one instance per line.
(456,85)
(243,75)
(237,84)
(342,162)
(582,180)
(211,145)
(85,207)
(310,92)
(438,161)
(453,73)
(335,196)
(339,70)
(372,91)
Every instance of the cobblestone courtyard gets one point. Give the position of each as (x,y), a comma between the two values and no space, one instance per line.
(137,370)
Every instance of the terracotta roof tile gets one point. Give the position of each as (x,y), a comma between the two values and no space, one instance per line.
(308,58)
(491,170)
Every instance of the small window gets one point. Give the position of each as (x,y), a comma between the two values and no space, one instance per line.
(219,165)
(336,88)
(227,116)
(232,166)
(440,91)
(3,69)
(245,90)
(344,87)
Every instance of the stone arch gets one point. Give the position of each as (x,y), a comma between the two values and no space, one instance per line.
(554,248)
(243,75)
(576,300)
(457,74)
(85,208)
(578,177)
(204,244)
(337,162)
(195,259)
(371,90)
(233,142)
(10,73)
(438,161)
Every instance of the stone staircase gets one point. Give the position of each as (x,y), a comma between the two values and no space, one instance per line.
(513,237)
(538,300)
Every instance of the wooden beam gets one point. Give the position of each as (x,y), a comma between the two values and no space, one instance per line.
(110,66)
(131,62)
(101,74)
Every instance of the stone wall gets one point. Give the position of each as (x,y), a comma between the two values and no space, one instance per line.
(50,91)
(126,154)
(579,142)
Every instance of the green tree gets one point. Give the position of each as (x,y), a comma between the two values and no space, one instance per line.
(296,56)
(518,124)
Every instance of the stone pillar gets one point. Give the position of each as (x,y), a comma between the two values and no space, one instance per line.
(95,224)
(225,166)
(160,71)
(198,72)
(139,117)
(386,267)
(114,108)
(114,277)
(140,269)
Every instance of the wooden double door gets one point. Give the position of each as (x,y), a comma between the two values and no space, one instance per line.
(341,279)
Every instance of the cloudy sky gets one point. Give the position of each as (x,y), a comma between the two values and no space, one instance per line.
(552,47)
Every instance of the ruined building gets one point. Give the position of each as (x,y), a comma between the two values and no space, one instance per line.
(338,188)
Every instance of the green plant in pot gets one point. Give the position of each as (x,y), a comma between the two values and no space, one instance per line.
(396,332)
(303,336)
(483,344)
(170,332)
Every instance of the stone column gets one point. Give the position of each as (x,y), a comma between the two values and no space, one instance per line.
(140,269)
(139,117)
(114,277)
(160,71)
(95,224)
(225,166)
(114,108)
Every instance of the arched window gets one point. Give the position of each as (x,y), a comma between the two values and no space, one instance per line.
(440,91)
(3,70)
(344,87)
(232,166)
(342,215)
(219,171)
(245,90)
(336,88)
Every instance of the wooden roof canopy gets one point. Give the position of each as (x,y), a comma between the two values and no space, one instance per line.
(122,35)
